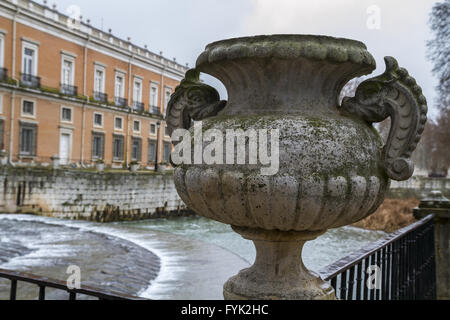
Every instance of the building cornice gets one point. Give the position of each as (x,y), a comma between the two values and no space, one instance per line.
(70,54)
(95,38)
(36,43)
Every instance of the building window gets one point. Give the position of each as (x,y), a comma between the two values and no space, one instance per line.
(151,151)
(2,50)
(118,145)
(136,126)
(118,123)
(1,134)
(120,86)
(98,120)
(167,151)
(29,59)
(67,73)
(66,114)
(166,131)
(168,93)
(99,79)
(152,128)
(65,146)
(136,149)
(137,91)
(28,108)
(28,139)
(153,95)
(98,144)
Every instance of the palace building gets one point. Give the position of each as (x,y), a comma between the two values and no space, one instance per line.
(74,91)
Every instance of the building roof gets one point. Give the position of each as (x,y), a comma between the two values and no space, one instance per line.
(84,30)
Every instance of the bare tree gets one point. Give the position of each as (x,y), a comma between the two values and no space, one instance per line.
(439,50)
(437,133)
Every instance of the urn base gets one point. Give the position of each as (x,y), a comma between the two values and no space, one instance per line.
(278,272)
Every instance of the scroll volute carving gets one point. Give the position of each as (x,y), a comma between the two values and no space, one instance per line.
(393,94)
(192,100)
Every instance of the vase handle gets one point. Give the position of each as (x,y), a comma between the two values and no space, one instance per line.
(192,100)
(393,94)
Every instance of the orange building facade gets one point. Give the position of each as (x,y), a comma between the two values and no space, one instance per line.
(75,92)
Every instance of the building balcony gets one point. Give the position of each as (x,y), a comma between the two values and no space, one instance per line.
(30,81)
(100,97)
(3,74)
(138,106)
(155,110)
(69,90)
(120,102)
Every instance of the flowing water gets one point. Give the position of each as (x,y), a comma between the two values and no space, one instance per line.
(182,258)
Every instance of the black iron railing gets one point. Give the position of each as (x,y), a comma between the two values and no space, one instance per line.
(69,90)
(100,96)
(138,106)
(43,283)
(3,74)
(121,102)
(400,267)
(29,80)
(155,110)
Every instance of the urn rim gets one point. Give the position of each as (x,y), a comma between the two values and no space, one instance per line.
(289,46)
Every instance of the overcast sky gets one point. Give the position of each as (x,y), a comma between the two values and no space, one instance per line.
(182,28)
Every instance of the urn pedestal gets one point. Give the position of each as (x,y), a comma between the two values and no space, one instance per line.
(333,168)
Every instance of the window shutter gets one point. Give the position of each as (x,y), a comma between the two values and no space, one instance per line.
(34,141)
(102,146)
(167,150)
(152,151)
(93,154)
(140,150)
(136,144)
(114,147)
(21,140)
(1,135)
(118,146)
(98,149)
(28,134)
(121,148)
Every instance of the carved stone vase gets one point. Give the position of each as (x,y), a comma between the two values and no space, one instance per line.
(334,167)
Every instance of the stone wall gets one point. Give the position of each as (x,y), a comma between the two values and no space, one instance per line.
(88,195)
(419,187)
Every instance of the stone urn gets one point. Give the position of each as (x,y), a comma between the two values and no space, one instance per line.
(134,166)
(55,161)
(334,169)
(100,165)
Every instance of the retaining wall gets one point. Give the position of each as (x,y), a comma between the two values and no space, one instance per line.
(89,195)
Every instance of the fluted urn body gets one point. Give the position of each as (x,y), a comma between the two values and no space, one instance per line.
(333,168)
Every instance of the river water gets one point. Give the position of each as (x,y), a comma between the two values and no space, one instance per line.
(182,258)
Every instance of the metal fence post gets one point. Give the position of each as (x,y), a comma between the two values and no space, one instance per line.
(438,205)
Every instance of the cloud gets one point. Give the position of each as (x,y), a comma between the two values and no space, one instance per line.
(403,28)
(182,28)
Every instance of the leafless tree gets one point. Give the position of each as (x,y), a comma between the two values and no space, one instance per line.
(439,51)
(437,133)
